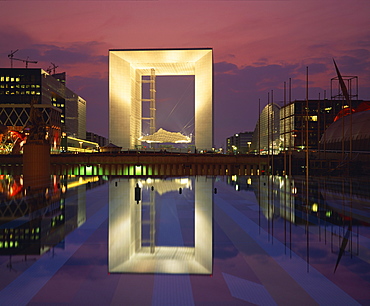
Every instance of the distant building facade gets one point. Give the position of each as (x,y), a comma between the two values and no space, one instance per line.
(283,128)
(102,141)
(63,110)
(239,143)
(266,136)
(297,121)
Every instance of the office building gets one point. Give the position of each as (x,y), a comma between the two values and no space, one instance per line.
(266,135)
(320,115)
(62,110)
(239,143)
(102,141)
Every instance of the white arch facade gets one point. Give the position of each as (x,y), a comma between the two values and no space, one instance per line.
(126,68)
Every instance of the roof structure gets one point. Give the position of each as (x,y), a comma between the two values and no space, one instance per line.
(344,128)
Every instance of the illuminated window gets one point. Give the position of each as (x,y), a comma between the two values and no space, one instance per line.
(7,79)
(27,92)
(27,86)
(22,86)
(62,105)
(38,93)
(32,92)
(18,79)
(11,79)
(2,79)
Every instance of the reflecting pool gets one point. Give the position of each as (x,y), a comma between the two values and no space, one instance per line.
(185,241)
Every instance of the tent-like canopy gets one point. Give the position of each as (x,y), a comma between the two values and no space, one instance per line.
(163,136)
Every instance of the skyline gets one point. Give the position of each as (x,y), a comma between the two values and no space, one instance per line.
(257,47)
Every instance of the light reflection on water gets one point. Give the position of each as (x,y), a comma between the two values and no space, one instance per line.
(230,227)
(156,204)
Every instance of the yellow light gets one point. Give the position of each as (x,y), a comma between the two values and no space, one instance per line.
(315,207)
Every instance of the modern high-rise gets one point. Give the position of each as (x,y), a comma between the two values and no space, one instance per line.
(62,109)
(266,135)
(303,119)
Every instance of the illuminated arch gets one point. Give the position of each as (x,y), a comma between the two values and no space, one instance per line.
(126,68)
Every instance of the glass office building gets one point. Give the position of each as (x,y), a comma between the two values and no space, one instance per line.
(62,110)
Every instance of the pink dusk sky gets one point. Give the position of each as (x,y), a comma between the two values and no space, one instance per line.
(257,45)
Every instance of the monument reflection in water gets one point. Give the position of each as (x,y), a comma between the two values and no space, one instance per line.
(140,239)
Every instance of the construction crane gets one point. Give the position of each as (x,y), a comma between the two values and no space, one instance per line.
(11,57)
(53,68)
